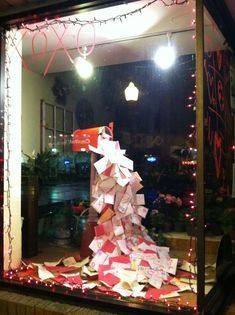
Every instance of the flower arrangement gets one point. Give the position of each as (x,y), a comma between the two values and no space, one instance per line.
(165,212)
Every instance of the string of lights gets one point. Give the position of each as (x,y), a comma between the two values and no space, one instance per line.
(7,188)
(119,17)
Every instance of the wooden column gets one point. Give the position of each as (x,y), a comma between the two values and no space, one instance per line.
(200,155)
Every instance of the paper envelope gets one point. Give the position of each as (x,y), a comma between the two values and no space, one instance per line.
(139,199)
(97,243)
(107,215)
(122,245)
(108,227)
(107,184)
(117,226)
(98,259)
(142,211)
(109,197)
(125,162)
(99,230)
(108,247)
(101,165)
(98,204)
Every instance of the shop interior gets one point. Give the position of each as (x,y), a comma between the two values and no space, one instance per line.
(157,130)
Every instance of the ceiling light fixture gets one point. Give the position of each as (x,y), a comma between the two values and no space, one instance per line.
(165,55)
(131,92)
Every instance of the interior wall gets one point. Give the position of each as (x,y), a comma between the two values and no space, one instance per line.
(35,87)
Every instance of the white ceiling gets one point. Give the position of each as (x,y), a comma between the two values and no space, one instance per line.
(133,38)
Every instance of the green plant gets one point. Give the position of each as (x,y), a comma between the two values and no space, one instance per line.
(228,220)
(43,166)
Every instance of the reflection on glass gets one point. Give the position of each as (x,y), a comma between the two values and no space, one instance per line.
(218,153)
(49,116)
(68,121)
(49,139)
(157,131)
(59,119)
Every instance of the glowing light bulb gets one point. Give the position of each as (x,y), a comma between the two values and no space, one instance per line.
(165,57)
(84,68)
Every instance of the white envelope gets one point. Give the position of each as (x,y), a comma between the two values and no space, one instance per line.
(98,204)
(97,260)
(123,247)
(172,266)
(142,211)
(107,184)
(136,219)
(101,165)
(97,243)
(43,273)
(124,161)
(109,197)
(156,282)
(117,226)
(139,199)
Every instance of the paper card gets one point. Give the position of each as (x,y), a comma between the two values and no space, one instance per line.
(61,269)
(169,295)
(125,162)
(97,243)
(128,276)
(142,211)
(139,199)
(108,227)
(186,266)
(52,263)
(43,273)
(136,219)
(136,287)
(59,279)
(98,259)
(137,176)
(109,197)
(138,294)
(107,184)
(98,204)
(103,269)
(107,215)
(136,186)
(123,181)
(122,259)
(89,285)
(125,172)
(126,199)
(117,226)
(109,279)
(82,263)
(123,292)
(89,272)
(182,286)
(118,199)
(155,282)
(189,281)
(108,247)
(99,230)
(69,261)
(74,280)
(95,150)
(152,293)
(108,171)
(123,247)
(101,165)
(172,266)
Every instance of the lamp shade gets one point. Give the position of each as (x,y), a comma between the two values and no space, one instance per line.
(131,92)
